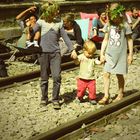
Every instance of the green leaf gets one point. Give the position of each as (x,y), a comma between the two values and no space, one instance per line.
(117,11)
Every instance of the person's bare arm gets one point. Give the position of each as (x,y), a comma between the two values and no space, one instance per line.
(130,47)
(103,47)
(74,54)
(25,12)
(94,31)
(37,35)
(136,23)
(76,61)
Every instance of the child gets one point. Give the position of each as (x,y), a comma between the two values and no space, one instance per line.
(50,57)
(114,49)
(86,78)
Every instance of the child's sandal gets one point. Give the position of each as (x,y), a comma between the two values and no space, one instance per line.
(104,100)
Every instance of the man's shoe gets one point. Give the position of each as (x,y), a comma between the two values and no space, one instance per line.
(104,100)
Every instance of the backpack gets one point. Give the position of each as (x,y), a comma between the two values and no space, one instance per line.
(3,70)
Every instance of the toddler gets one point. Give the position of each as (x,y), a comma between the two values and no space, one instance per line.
(86,79)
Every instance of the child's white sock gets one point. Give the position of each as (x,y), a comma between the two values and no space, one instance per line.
(36,43)
(28,43)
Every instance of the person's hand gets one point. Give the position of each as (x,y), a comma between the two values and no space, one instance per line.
(75,46)
(138,20)
(98,62)
(74,54)
(28,23)
(61,39)
(130,59)
(101,30)
(32,8)
(102,58)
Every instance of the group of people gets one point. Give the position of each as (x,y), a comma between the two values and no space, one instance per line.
(52,35)
(132,16)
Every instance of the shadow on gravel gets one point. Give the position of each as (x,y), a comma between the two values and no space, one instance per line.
(129,92)
(99,96)
(68,96)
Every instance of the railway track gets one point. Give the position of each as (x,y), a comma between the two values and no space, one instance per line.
(65,131)
(30,75)
(7,55)
(67,63)
(73,130)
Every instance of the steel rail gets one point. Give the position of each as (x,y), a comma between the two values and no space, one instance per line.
(90,117)
(5,56)
(30,75)
(86,129)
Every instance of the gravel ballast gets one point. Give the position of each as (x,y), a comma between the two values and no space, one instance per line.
(22,116)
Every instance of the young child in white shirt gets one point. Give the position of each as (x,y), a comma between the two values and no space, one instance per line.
(86,79)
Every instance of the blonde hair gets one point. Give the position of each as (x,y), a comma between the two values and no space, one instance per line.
(89,46)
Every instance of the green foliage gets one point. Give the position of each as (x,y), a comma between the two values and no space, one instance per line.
(117,11)
(50,11)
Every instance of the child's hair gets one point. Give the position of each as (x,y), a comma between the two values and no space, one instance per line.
(116,10)
(89,46)
(44,7)
(30,15)
(50,12)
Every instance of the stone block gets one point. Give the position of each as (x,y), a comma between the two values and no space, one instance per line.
(11,32)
